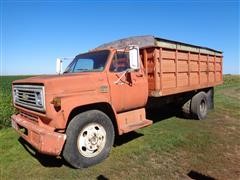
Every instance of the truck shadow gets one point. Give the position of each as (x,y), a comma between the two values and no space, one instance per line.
(125,138)
(163,113)
(155,115)
(45,160)
(52,161)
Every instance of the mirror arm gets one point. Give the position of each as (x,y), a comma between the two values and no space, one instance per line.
(123,74)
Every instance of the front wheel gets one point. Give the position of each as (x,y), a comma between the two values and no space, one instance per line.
(90,136)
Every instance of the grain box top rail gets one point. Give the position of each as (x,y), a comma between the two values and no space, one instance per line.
(150,41)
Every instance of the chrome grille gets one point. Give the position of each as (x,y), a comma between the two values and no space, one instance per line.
(29,96)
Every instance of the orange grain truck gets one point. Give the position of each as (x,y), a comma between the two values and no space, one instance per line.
(105,92)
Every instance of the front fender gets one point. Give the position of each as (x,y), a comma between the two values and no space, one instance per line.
(72,101)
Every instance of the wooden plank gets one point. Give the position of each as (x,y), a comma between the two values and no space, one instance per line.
(174,90)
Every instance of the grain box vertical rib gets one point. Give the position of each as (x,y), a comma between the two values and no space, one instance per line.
(176,67)
(207,69)
(215,68)
(199,74)
(156,69)
(221,63)
(145,61)
(189,68)
(161,70)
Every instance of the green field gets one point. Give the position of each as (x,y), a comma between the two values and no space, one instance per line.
(172,148)
(6,108)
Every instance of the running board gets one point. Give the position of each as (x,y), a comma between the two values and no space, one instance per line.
(132,120)
(136,126)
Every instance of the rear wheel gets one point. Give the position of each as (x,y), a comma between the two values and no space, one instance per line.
(199,106)
(90,136)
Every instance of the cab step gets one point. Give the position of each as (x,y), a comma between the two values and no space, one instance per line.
(138,125)
(132,120)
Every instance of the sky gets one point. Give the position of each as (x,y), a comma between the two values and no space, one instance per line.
(35,33)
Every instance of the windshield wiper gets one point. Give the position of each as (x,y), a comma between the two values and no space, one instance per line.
(83,70)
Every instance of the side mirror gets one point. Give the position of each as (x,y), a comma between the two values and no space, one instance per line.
(59,66)
(134,57)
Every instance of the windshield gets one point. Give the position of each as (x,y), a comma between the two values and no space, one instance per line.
(89,62)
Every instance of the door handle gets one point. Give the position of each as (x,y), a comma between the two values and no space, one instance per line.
(139,75)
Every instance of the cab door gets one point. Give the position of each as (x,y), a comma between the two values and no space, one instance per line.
(128,89)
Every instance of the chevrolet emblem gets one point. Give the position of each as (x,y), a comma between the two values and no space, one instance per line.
(25,96)
(103,89)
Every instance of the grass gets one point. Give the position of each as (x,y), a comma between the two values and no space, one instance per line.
(6,108)
(172,148)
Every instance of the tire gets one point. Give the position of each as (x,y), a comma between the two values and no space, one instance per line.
(186,109)
(210,98)
(199,106)
(90,137)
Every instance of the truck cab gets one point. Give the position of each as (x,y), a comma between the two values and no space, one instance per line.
(101,92)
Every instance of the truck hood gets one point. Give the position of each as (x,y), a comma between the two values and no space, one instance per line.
(66,83)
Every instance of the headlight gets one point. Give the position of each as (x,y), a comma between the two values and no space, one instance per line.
(39,98)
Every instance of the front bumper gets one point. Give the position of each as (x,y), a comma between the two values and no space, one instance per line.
(44,140)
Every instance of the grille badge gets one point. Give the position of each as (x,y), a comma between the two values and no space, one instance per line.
(25,96)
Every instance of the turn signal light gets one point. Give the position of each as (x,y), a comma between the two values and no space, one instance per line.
(56,102)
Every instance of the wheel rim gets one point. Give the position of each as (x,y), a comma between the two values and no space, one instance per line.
(91,140)
(203,107)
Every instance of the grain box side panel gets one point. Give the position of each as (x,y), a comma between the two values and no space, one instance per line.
(150,67)
(168,80)
(211,77)
(182,80)
(218,69)
(182,71)
(168,68)
(193,57)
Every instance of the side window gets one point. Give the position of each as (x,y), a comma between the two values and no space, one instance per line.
(83,65)
(120,62)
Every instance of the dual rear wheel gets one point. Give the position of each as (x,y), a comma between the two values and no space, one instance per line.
(197,106)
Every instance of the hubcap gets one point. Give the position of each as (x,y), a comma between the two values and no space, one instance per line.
(202,106)
(91,140)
